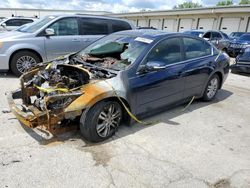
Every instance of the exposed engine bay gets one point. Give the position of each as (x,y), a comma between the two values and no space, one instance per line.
(61,84)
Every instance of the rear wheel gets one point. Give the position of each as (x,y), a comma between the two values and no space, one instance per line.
(101,121)
(211,88)
(23,61)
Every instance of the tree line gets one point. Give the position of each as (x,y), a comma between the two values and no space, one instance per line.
(190,4)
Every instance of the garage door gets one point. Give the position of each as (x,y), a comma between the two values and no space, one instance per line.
(156,23)
(206,23)
(142,23)
(185,24)
(229,25)
(168,24)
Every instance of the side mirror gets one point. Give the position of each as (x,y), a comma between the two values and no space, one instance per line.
(4,25)
(152,66)
(217,42)
(49,32)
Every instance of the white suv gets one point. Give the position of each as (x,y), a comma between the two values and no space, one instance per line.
(8,24)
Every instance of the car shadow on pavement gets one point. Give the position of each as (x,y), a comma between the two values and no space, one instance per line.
(7,75)
(166,116)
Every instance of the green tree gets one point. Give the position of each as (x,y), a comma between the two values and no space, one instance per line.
(225,3)
(187,4)
(244,2)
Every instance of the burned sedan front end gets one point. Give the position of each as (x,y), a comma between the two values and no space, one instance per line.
(53,93)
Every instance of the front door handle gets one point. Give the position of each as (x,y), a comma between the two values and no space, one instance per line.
(76,40)
(87,40)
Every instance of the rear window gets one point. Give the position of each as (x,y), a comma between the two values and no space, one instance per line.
(196,48)
(94,26)
(14,22)
(118,25)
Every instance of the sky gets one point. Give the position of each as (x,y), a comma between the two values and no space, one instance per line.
(101,5)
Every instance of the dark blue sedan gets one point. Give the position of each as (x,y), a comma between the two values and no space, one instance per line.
(119,77)
(242,62)
(236,46)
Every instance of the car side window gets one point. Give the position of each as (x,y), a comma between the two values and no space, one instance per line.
(66,26)
(13,22)
(195,48)
(216,36)
(25,21)
(120,26)
(94,26)
(167,51)
(207,35)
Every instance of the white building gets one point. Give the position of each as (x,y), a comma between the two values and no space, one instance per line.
(227,19)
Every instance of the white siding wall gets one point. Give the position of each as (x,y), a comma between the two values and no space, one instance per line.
(142,23)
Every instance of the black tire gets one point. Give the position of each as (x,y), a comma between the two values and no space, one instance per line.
(22,55)
(91,121)
(207,96)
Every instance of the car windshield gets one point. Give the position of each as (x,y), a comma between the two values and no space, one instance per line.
(32,27)
(245,37)
(115,51)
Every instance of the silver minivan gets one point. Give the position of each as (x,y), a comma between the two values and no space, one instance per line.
(51,37)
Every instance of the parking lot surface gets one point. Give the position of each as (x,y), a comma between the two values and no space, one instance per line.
(207,145)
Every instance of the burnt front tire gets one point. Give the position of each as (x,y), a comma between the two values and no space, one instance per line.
(211,88)
(101,121)
(23,61)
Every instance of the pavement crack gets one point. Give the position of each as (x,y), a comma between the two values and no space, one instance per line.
(11,162)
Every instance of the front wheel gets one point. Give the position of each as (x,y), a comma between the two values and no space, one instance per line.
(23,61)
(101,121)
(211,88)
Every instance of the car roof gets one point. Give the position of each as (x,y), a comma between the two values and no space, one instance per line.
(21,17)
(88,16)
(147,33)
(195,30)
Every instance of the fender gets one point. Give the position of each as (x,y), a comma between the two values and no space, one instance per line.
(24,46)
(93,93)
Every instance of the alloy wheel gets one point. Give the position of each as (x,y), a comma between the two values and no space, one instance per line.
(25,63)
(212,87)
(108,120)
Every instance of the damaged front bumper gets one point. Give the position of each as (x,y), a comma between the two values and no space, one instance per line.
(32,117)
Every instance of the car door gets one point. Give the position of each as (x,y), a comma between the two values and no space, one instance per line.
(65,40)
(198,57)
(156,89)
(92,29)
